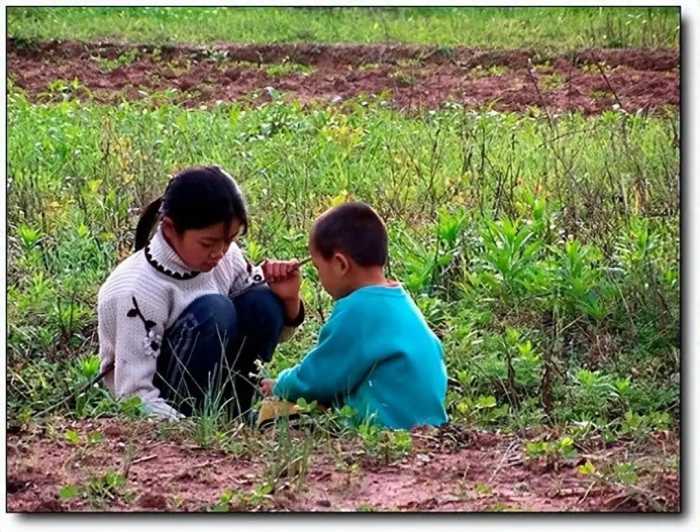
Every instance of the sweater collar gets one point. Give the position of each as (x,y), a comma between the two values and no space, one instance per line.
(165,259)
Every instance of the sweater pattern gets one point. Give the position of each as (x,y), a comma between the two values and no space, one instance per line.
(152,341)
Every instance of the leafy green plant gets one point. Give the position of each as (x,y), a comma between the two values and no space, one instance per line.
(639,426)
(89,366)
(551,452)
(69,491)
(106,486)
(489,231)
(625,473)
(579,279)
(237,501)
(511,250)
(286,67)
(483,489)
(72,437)
(593,392)
(403,78)
(99,490)
(479,71)
(108,65)
(365,507)
(29,236)
(551,81)
(388,445)
(65,89)
(483,410)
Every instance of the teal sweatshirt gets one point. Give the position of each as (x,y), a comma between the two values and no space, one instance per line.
(376,354)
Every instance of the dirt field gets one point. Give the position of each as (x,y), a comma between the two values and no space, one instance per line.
(448,470)
(412,77)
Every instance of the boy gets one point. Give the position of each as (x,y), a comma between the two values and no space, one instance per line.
(376,353)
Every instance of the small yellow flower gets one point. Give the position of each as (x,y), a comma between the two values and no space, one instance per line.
(339,199)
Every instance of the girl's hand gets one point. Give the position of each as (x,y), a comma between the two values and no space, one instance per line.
(266,386)
(283,278)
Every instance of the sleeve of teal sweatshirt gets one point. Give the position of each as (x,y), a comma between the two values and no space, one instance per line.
(332,369)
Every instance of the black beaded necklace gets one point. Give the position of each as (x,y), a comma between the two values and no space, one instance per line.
(175,275)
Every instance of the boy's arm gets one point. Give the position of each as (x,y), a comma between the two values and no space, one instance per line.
(332,369)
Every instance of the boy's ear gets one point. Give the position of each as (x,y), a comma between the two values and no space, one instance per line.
(342,262)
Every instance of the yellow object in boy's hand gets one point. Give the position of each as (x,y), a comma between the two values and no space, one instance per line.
(271,409)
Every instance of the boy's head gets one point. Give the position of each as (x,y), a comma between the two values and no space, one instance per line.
(349,247)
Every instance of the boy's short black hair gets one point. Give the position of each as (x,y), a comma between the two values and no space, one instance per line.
(354,229)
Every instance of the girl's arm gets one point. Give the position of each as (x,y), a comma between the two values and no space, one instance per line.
(287,290)
(284,279)
(135,342)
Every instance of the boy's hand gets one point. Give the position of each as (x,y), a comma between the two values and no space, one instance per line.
(266,386)
(283,278)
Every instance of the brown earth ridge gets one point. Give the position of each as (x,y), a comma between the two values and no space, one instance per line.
(411,77)
(447,470)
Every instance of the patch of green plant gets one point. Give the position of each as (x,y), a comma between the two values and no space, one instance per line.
(286,68)
(482,410)
(482,489)
(388,445)
(240,501)
(601,95)
(551,82)
(552,276)
(542,28)
(288,456)
(479,71)
(638,426)
(64,89)
(366,507)
(403,78)
(551,452)
(368,66)
(99,491)
(107,65)
(42,385)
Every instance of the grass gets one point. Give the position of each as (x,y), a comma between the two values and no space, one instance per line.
(99,491)
(545,254)
(108,65)
(543,250)
(552,29)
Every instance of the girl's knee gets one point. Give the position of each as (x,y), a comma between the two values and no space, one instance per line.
(262,319)
(215,312)
(270,311)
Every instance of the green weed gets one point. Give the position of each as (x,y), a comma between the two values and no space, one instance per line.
(108,65)
(547,28)
(548,287)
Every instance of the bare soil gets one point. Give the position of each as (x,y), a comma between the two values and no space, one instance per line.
(411,77)
(451,470)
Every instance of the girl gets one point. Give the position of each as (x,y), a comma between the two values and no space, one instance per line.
(182,318)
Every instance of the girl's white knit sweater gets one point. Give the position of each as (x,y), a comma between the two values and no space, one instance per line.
(141,298)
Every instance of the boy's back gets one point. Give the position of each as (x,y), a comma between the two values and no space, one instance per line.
(378,355)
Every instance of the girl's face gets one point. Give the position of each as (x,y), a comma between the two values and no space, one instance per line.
(201,249)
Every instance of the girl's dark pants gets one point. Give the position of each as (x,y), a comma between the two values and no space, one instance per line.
(210,351)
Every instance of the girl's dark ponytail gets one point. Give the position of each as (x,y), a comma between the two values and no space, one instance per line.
(146,223)
(195,198)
